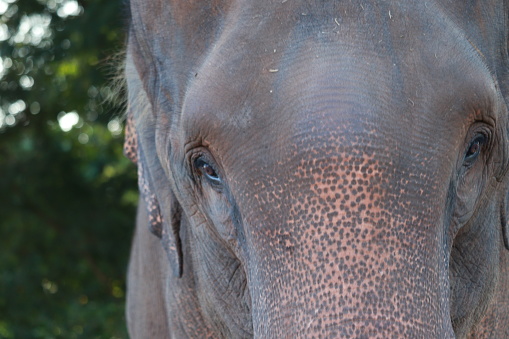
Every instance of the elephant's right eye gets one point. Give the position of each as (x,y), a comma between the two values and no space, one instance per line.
(207,171)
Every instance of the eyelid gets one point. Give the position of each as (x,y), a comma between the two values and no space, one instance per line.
(200,163)
(478,140)
(201,155)
(482,136)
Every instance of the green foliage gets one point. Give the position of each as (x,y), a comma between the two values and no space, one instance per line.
(68,195)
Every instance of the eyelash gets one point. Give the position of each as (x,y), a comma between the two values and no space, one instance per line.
(475,149)
(205,168)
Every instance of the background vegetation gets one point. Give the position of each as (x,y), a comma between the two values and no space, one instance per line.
(67,194)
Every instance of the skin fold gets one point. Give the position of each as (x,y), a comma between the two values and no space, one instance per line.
(319,169)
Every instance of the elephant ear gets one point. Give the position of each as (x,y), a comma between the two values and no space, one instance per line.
(131,140)
(165,46)
(504,220)
(504,86)
(168,232)
(505,92)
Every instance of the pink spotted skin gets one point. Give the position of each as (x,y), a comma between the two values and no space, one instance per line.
(319,169)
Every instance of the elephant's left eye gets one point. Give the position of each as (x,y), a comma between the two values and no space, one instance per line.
(474,149)
(206,170)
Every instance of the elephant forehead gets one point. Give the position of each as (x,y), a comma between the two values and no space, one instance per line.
(240,91)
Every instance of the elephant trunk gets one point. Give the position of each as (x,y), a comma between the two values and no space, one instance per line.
(359,253)
(359,283)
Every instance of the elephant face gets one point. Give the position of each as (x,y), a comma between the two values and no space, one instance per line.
(323,170)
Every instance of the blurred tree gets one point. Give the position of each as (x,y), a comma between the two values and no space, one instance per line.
(67,194)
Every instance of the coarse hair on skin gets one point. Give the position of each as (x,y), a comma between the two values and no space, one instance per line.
(137,102)
(116,97)
(125,100)
(115,66)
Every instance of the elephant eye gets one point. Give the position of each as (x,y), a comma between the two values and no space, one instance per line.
(206,170)
(474,149)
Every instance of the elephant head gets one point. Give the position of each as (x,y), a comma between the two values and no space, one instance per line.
(319,168)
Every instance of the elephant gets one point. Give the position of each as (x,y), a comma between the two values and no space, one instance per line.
(319,169)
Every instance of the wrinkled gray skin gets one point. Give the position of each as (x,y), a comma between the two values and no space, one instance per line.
(319,169)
